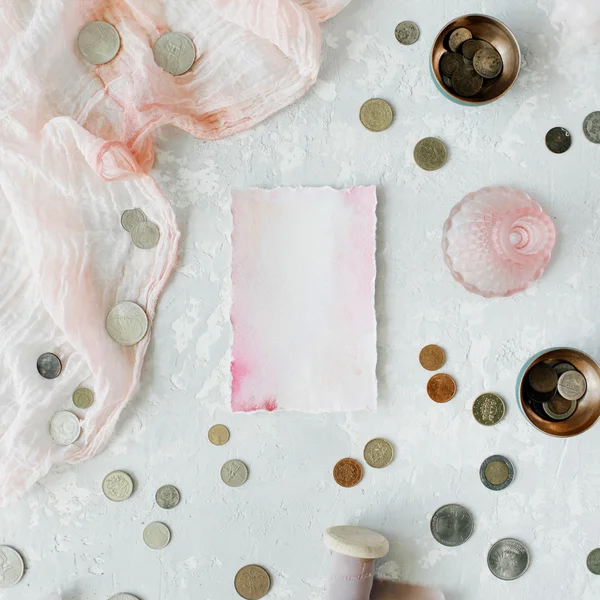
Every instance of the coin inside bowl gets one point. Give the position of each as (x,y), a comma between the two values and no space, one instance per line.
(495,33)
(587,411)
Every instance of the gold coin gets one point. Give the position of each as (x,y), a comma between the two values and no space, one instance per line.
(218,435)
(432,357)
(378,453)
(376,114)
(83,398)
(252,582)
(489,409)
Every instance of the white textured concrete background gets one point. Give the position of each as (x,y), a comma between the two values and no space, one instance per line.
(76,542)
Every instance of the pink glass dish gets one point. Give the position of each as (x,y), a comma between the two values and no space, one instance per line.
(497,241)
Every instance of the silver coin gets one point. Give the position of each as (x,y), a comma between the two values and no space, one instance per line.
(234,473)
(145,235)
(98,42)
(127,323)
(550,408)
(591,127)
(593,561)
(572,385)
(123,597)
(167,496)
(131,217)
(563,367)
(65,427)
(83,397)
(12,567)
(496,473)
(407,33)
(49,365)
(174,52)
(157,535)
(452,525)
(508,559)
(117,486)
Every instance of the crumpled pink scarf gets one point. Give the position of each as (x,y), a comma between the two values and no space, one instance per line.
(75,152)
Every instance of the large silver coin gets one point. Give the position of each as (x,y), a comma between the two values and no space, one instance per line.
(234,473)
(131,217)
(157,535)
(145,235)
(11,567)
(593,561)
(98,42)
(127,323)
(496,473)
(452,525)
(508,559)
(407,33)
(65,427)
(174,52)
(572,385)
(167,496)
(591,127)
(49,365)
(124,597)
(117,486)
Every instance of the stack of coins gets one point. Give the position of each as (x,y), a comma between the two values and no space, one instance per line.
(144,234)
(441,387)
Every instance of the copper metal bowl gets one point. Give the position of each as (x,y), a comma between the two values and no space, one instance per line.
(496,33)
(588,408)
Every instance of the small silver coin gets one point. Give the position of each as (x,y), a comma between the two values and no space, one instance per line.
(174,52)
(83,397)
(572,385)
(124,597)
(593,561)
(407,33)
(98,42)
(508,559)
(558,140)
(452,525)
(131,217)
(591,127)
(127,323)
(496,473)
(555,408)
(157,535)
(167,496)
(49,365)
(234,473)
(117,486)
(65,427)
(12,567)
(563,367)
(145,235)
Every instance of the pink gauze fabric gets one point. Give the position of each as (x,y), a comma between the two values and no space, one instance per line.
(75,152)
(303,317)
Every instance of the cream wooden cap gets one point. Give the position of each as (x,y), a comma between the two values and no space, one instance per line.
(358,542)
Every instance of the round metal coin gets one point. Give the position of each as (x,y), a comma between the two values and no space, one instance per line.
(378,453)
(124,597)
(572,385)
(127,323)
(130,218)
(470,48)
(98,42)
(49,365)
(83,398)
(489,409)
(407,33)
(449,62)
(591,127)
(452,525)
(117,486)
(376,114)
(432,357)
(12,567)
(347,472)
(252,582)
(430,154)
(488,63)
(466,81)
(458,37)
(542,378)
(167,496)
(563,367)
(218,435)
(441,388)
(496,473)
(593,561)
(65,427)
(157,535)
(145,235)
(234,473)
(559,409)
(558,140)
(508,559)
(174,52)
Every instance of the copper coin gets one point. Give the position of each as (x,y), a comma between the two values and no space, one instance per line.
(441,388)
(347,472)
(542,378)
(432,357)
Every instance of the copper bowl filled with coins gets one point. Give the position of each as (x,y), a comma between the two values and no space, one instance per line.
(558,391)
(475,60)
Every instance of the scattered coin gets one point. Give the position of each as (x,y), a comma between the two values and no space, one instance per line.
(127,323)
(591,127)
(488,63)
(508,559)
(347,472)
(466,81)
(559,409)
(572,385)
(449,62)
(458,37)
(432,357)
(563,367)
(218,435)
(124,597)
(452,525)
(441,388)
(65,427)
(174,52)
(83,398)
(49,365)
(489,409)
(593,561)
(130,218)
(376,114)
(407,33)
(157,535)
(558,140)
(378,453)
(430,154)
(12,567)
(252,582)
(145,235)
(470,48)
(117,486)
(234,473)
(542,378)
(496,473)
(98,42)
(167,496)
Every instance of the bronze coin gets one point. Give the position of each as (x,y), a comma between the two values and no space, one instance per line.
(458,37)
(466,81)
(542,379)
(488,63)
(470,48)
(347,472)
(449,63)
(432,357)
(558,140)
(441,388)
(252,582)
